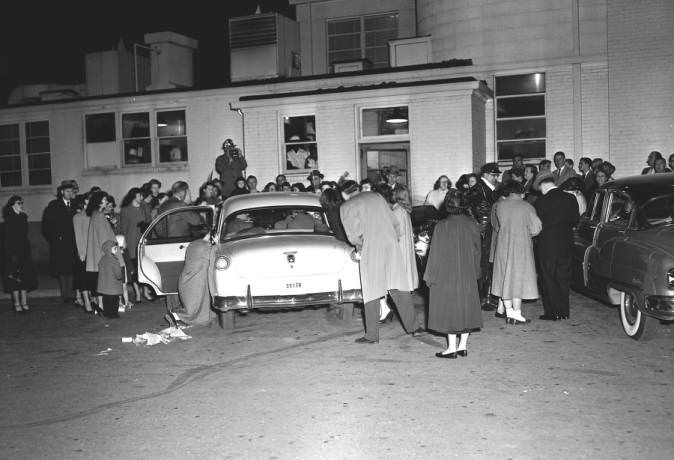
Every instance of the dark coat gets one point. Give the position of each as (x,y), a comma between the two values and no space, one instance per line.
(178,224)
(451,274)
(558,212)
(335,223)
(58,230)
(480,200)
(589,186)
(18,270)
(229,171)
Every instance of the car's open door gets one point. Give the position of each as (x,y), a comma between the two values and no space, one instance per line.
(161,250)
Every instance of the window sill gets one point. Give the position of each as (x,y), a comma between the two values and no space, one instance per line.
(113,170)
(29,189)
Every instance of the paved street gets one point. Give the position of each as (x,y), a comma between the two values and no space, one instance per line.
(294,385)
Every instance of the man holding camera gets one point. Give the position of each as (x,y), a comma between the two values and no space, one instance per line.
(230,165)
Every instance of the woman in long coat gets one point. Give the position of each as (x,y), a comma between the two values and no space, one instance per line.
(18,264)
(452,272)
(515,223)
(100,231)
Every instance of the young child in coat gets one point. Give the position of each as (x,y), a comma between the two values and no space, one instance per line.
(110,277)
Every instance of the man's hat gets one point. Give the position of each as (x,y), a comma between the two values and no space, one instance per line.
(313,173)
(541,177)
(490,168)
(68,184)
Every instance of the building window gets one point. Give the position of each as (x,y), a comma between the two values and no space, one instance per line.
(10,156)
(172,136)
(39,153)
(365,37)
(385,121)
(520,116)
(300,145)
(100,127)
(136,138)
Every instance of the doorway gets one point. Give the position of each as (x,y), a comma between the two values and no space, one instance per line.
(378,157)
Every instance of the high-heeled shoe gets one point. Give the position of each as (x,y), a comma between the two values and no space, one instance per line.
(462,353)
(499,315)
(446,355)
(386,319)
(18,309)
(25,307)
(515,321)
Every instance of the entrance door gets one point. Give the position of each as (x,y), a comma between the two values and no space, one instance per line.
(161,251)
(381,157)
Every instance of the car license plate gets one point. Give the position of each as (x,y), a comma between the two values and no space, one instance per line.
(294,285)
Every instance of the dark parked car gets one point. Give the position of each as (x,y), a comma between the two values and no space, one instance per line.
(624,250)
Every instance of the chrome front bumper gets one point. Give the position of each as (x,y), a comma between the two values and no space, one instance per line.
(250,302)
(661,307)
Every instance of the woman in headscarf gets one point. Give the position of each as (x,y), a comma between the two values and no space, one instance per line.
(451,274)
(18,263)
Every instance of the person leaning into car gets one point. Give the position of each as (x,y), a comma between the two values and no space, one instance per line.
(558,212)
(177,225)
(371,226)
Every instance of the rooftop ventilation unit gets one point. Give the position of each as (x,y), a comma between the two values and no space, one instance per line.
(263,46)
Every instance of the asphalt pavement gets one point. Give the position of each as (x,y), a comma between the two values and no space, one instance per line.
(284,385)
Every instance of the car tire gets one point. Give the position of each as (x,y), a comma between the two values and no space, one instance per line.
(227,320)
(636,324)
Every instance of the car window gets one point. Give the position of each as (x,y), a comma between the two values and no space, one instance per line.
(620,210)
(596,206)
(271,220)
(656,212)
(181,226)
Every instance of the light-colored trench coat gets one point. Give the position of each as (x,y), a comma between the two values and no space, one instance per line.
(515,223)
(371,226)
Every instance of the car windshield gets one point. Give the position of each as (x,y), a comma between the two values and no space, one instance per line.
(273,220)
(657,211)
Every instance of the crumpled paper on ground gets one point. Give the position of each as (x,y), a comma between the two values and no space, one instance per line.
(167,335)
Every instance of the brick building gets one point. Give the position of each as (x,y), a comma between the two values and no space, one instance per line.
(433,87)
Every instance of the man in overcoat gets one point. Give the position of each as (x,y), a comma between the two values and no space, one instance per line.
(371,226)
(558,212)
(58,230)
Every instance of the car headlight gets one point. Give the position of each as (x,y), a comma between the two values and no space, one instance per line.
(670,278)
(355,256)
(222,263)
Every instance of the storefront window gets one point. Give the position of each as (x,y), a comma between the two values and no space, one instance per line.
(300,143)
(387,121)
(172,135)
(136,135)
(520,116)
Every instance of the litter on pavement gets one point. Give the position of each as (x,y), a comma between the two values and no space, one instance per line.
(167,335)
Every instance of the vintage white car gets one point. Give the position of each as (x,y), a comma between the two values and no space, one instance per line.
(271,250)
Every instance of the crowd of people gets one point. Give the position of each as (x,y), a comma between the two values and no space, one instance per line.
(487,234)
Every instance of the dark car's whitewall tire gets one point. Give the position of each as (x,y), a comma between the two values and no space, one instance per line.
(635,324)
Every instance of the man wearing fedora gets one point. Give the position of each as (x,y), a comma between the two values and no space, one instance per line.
(558,212)
(315,178)
(58,230)
(481,197)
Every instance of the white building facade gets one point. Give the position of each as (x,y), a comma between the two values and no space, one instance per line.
(470,82)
